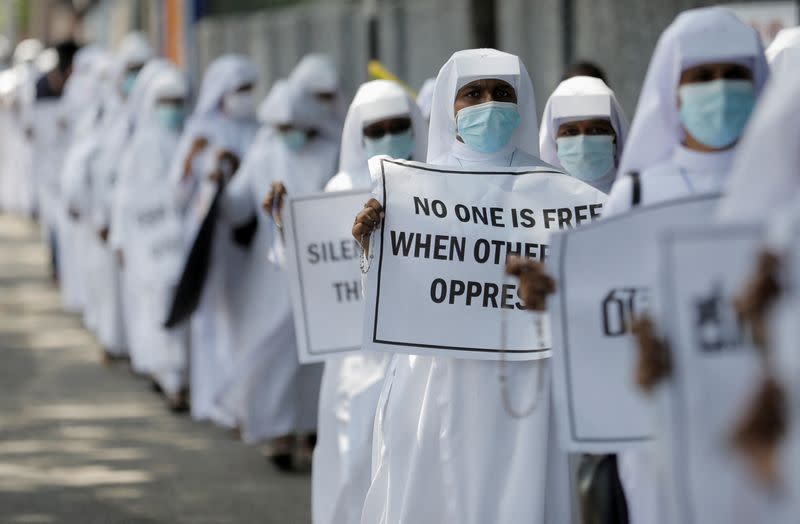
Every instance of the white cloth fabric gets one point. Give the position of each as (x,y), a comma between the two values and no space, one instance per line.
(670,171)
(783,54)
(212,326)
(425,97)
(351,384)
(444,449)
(581,98)
(269,392)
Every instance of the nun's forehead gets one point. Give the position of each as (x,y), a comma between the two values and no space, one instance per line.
(500,67)
(580,106)
(697,47)
(386,107)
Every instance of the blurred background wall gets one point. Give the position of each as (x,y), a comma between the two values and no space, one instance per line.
(412,38)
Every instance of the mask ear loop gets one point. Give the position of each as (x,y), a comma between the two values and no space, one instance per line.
(504,378)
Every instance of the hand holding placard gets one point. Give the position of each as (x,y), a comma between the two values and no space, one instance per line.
(366,221)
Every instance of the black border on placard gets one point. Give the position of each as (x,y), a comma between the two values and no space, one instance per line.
(306,334)
(422,167)
(667,243)
(565,317)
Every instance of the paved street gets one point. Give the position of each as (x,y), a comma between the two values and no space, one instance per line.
(85,443)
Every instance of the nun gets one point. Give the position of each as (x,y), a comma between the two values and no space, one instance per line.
(145,230)
(583,131)
(220,130)
(16,164)
(444,447)
(81,107)
(703,81)
(280,396)
(124,125)
(382,120)
(104,306)
(242,389)
(49,138)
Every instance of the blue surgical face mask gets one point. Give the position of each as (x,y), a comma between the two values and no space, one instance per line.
(716,112)
(294,139)
(397,145)
(171,116)
(587,157)
(127,83)
(487,128)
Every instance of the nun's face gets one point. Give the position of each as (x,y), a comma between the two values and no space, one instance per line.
(389,126)
(715,71)
(714,102)
(326,97)
(391,136)
(483,91)
(591,127)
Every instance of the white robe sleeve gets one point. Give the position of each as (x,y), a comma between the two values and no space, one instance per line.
(238,200)
(620,198)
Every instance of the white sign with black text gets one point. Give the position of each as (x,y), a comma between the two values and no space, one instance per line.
(324,273)
(436,285)
(715,373)
(605,276)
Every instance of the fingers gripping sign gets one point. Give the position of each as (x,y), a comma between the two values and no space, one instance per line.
(367,220)
(534,281)
(273,203)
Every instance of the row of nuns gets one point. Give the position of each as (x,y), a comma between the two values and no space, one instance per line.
(167,235)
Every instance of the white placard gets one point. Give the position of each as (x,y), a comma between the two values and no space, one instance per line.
(606,275)
(436,285)
(767,18)
(324,273)
(715,373)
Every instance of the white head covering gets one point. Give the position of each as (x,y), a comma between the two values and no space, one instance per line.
(269,110)
(764,176)
(374,101)
(473,64)
(225,75)
(134,49)
(83,82)
(579,98)
(710,34)
(425,97)
(27,51)
(783,54)
(167,82)
(317,73)
(47,60)
(287,106)
(133,109)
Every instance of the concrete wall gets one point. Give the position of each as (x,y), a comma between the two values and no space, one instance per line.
(415,39)
(417,36)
